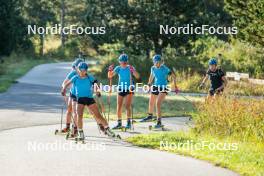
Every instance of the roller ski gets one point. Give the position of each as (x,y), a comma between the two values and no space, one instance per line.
(119,126)
(149,118)
(72,134)
(158,126)
(80,137)
(63,131)
(111,134)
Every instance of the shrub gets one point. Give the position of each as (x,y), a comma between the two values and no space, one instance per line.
(244,88)
(241,118)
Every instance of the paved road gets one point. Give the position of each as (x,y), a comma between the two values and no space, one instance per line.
(35,100)
(29,114)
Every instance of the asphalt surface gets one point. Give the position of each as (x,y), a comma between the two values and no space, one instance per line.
(29,114)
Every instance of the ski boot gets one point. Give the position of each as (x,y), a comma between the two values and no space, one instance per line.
(119,127)
(80,137)
(62,131)
(157,126)
(149,118)
(129,125)
(101,128)
(111,134)
(72,134)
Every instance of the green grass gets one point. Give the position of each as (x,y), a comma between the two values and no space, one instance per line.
(237,123)
(15,67)
(240,118)
(173,106)
(244,88)
(245,158)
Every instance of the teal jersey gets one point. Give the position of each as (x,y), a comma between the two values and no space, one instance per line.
(83,86)
(123,77)
(69,77)
(160,75)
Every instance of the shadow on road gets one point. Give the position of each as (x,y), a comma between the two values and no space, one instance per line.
(30,97)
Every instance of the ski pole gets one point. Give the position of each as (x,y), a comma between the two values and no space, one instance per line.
(110,68)
(101,105)
(131,92)
(62,108)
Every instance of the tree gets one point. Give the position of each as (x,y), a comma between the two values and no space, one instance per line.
(13,33)
(136,23)
(248,17)
(40,13)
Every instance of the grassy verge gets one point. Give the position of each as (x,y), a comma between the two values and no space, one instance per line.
(190,83)
(236,125)
(245,158)
(173,106)
(15,67)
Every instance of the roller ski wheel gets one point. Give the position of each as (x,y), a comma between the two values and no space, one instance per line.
(56,132)
(67,136)
(118,136)
(112,134)
(70,136)
(78,139)
(60,132)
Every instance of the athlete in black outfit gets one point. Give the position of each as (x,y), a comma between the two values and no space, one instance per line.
(217,78)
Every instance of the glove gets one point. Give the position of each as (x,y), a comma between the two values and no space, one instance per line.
(111,67)
(63,92)
(132,69)
(139,79)
(201,86)
(176,90)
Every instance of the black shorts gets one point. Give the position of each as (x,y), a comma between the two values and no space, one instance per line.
(85,101)
(73,97)
(124,93)
(213,91)
(156,90)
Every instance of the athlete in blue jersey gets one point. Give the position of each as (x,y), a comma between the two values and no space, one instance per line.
(71,101)
(125,89)
(84,84)
(159,74)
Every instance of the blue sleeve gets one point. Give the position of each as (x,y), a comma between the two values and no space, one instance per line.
(152,70)
(92,79)
(167,70)
(73,79)
(116,70)
(70,75)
